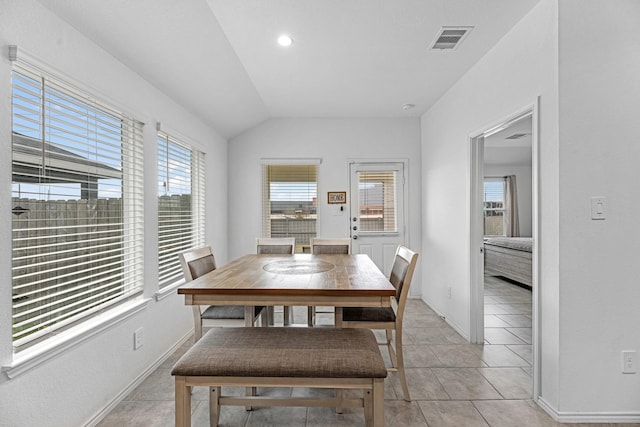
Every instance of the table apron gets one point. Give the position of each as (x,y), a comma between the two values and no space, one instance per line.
(316,300)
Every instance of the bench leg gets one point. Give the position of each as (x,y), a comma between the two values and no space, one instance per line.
(183,403)
(378,402)
(214,406)
(368,408)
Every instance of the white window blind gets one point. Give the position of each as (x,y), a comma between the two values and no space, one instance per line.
(494,206)
(77,223)
(377,199)
(180,204)
(290,202)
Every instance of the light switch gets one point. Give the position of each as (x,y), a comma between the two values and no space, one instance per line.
(598,208)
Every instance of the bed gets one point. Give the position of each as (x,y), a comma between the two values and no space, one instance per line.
(509,257)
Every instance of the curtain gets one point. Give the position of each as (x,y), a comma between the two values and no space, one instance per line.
(512,223)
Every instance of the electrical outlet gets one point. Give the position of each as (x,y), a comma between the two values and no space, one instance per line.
(138,338)
(629,362)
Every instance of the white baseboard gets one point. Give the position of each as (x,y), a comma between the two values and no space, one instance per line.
(136,382)
(589,417)
(449,322)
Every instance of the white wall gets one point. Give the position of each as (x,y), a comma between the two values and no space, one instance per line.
(523,184)
(74,386)
(589,101)
(332,140)
(521,67)
(599,156)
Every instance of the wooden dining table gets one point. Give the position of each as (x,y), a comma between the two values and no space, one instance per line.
(300,279)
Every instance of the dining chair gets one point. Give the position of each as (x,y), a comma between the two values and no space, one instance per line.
(322,246)
(388,319)
(277,246)
(197,262)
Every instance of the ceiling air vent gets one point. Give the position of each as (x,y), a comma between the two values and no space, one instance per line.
(450,37)
(516,136)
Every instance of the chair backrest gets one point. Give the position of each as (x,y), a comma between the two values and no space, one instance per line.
(321,246)
(275,245)
(197,262)
(401,274)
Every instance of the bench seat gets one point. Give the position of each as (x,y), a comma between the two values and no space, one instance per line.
(282,357)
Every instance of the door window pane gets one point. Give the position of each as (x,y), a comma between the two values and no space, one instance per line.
(377,201)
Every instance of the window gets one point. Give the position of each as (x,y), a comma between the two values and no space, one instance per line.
(377,201)
(77,218)
(290,202)
(180,204)
(494,206)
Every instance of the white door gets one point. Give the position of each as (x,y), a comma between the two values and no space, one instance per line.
(377,216)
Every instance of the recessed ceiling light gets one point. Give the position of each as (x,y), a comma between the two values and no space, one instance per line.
(285,40)
(408,106)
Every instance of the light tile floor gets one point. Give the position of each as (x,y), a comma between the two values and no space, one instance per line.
(452,382)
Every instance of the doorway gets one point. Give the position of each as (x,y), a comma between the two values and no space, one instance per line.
(377,214)
(503,302)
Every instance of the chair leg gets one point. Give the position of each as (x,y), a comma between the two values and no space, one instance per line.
(392,353)
(270,315)
(339,399)
(311,314)
(337,317)
(266,317)
(400,366)
(197,324)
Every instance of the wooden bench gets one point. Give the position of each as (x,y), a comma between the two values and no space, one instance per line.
(282,357)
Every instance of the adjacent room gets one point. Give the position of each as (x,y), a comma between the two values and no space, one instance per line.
(433,198)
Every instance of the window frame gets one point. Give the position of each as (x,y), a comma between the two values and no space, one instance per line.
(301,246)
(66,333)
(485,210)
(169,269)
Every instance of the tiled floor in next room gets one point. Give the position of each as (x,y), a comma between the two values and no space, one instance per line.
(452,382)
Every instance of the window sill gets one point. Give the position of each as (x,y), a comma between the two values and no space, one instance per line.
(68,339)
(168,290)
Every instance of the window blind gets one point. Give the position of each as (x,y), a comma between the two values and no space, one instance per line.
(377,199)
(180,204)
(494,206)
(77,223)
(290,202)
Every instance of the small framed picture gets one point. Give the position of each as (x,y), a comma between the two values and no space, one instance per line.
(337,197)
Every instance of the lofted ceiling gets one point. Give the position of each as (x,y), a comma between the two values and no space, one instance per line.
(350,58)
